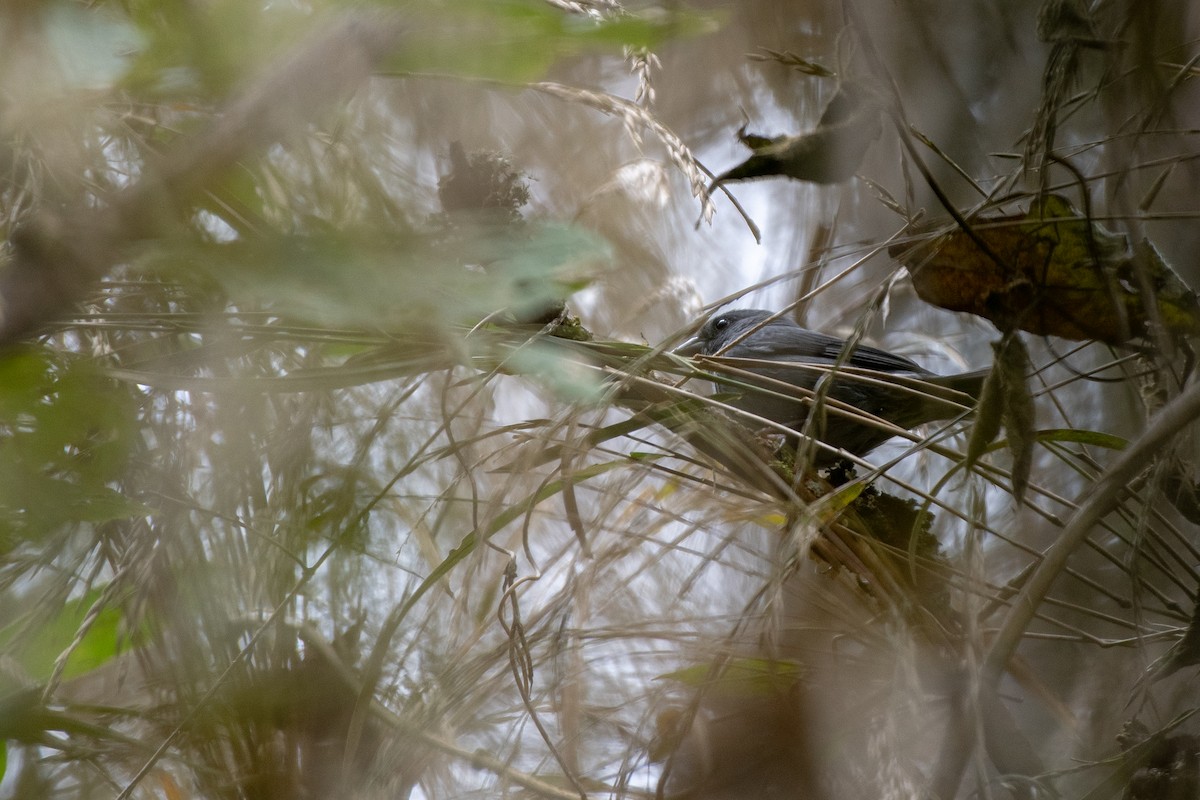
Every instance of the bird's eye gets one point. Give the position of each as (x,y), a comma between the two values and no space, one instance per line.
(720,324)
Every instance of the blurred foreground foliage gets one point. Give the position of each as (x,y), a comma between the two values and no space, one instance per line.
(200,526)
(312,485)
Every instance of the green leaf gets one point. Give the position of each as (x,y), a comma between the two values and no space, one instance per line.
(519,40)
(36,652)
(566,377)
(834,503)
(364,280)
(66,432)
(201,51)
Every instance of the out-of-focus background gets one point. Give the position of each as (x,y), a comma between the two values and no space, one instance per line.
(296,501)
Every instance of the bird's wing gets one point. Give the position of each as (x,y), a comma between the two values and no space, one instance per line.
(785,343)
(874,358)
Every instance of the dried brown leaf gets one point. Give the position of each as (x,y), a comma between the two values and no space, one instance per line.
(1051,271)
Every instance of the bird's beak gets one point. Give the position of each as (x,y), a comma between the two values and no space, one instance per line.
(692,347)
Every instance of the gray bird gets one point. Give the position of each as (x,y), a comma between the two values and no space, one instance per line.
(907,395)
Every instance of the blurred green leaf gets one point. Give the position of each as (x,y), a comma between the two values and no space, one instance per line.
(93,46)
(66,432)
(205,49)
(36,650)
(566,377)
(37,505)
(361,280)
(519,40)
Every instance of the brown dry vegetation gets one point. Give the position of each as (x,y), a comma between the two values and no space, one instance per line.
(307,490)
